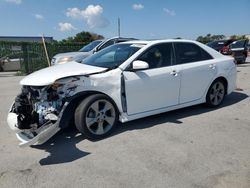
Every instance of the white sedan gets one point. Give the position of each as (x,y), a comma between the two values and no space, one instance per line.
(123,82)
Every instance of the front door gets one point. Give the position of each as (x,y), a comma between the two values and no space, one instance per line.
(154,88)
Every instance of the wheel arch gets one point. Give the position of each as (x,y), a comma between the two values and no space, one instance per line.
(68,114)
(224,80)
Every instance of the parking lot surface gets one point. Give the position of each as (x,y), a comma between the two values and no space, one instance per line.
(193,147)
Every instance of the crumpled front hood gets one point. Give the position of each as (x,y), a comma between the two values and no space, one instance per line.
(49,75)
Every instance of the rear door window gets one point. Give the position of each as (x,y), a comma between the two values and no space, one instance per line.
(189,52)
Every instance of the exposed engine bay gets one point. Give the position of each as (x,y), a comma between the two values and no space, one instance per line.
(37,106)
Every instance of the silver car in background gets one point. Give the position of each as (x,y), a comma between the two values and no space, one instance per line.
(86,51)
(76,56)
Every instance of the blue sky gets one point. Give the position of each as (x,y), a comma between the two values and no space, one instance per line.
(140,19)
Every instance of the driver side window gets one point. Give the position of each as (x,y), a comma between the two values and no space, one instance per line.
(160,55)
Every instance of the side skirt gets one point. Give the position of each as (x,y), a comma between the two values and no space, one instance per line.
(124,117)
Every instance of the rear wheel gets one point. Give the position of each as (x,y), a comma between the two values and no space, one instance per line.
(96,116)
(244,61)
(1,68)
(216,93)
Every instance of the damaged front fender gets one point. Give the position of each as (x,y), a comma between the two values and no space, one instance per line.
(39,112)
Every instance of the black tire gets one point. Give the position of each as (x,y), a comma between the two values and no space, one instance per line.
(241,62)
(1,68)
(93,119)
(216,93)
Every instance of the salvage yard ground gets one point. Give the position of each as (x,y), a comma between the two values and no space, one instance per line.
(191,147)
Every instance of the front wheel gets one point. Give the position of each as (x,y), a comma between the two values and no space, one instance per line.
(216,93)
(96,116)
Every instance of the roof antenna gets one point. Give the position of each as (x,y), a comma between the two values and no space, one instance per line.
(119,28)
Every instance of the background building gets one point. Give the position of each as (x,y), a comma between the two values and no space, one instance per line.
(25,39)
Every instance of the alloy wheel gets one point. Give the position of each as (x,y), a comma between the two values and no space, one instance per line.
(217,93)
(100,117)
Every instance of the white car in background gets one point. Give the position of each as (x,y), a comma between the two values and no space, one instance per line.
(86,51)
(123,82)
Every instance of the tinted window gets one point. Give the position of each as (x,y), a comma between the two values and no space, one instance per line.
(188,52)
(90,46)
(160,55)
(216,44)
(123,40)
(238,44)
(108,43)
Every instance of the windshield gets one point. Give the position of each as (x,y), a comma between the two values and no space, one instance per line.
(113,56)
(90,46)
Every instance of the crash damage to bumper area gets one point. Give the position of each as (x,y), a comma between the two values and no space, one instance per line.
(35,115)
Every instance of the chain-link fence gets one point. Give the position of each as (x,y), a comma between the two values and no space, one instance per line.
(32,56)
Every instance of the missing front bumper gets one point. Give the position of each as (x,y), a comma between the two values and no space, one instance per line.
(44,133)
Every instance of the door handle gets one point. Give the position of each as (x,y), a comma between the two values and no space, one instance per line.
(212,66)
(174,73)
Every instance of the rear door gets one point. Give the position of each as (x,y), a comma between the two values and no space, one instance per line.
(197,69)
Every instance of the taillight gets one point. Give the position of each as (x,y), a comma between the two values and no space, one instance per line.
(225,49)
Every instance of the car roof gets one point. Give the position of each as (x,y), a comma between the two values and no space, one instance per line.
(160,41)
(126,38)
(108,39)
(136,42)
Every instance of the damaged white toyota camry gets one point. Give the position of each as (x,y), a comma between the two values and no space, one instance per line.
(123,82)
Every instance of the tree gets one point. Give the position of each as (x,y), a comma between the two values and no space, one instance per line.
(238,37)
(209,38)
(83,37)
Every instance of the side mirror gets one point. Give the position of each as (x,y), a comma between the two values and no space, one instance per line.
(139,65)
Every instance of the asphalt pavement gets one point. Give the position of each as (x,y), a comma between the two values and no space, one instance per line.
(193,147)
